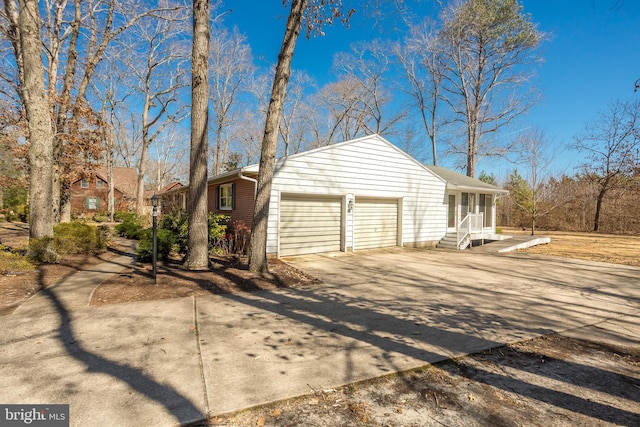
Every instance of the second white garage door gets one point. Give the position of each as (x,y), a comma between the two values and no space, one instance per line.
(309,224)
(376,223)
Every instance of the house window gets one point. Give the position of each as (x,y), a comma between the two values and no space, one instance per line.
(225,192)
(99,183)
(84,183)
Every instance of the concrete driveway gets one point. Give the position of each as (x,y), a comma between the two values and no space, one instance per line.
(176,361)
(485,296)
(392,310)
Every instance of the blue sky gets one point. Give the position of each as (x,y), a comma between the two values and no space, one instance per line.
(592,56)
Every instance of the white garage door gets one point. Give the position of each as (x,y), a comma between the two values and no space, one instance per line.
(376,223)
(309,224)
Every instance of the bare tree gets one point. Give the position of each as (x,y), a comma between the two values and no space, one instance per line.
(170,162)
(293,128)
(127,138)
(344,117)
(536,154)
(12,76)
(111,89)
(249,137)
(198,241)
(612,145)
(36,105)
(421,59)
(230,69)
(76,34)
(160,75)
(365,66)
(316,14)
(486,45)
(103,21)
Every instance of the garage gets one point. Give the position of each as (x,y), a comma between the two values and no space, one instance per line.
(310,224)
(375,223)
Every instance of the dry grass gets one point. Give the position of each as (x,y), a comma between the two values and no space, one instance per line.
(616,249)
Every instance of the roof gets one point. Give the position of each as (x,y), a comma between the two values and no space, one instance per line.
(250,172)
(124,179)
(454,180)
(458,181)
(171,186)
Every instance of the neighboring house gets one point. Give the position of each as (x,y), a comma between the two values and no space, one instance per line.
(89,194)
(230,193)
(360,194)
(169,203)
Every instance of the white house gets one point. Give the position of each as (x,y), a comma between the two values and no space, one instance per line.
(359,194)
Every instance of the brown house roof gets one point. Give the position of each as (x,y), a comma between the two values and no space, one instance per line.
(170,187)
(124,179)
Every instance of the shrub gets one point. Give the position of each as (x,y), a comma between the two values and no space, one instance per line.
(68,238)
(131,226)
(100,218)
(43,251)
(217,230)
(12,262)
(122,216)
(176,222)
(145,247)
(238,237)
(80,238)
(12,216)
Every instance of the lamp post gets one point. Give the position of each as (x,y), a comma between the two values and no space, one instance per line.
(154,256)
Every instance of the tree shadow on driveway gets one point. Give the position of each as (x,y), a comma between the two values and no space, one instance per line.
(178,405)
(435,332)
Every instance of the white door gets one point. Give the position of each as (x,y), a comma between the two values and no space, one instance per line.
(309,224)
(375,223)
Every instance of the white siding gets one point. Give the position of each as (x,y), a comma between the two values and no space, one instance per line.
(375,223)
(365,167)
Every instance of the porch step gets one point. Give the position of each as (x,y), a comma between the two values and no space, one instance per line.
(450,240)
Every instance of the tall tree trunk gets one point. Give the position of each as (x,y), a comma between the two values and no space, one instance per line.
(65,199)
(39,122)
(218,156)
(140,181)
(533,225)
(596,217)
(258,251)
(111,188)
(144,150)
(61,190)
(198,241)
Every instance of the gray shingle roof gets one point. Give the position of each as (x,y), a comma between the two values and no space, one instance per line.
(457,180)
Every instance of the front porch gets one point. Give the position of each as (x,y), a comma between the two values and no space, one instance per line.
(471,229)
(471,232)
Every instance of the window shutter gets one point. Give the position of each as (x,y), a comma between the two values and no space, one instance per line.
(233,196)
(86,203)
(218,197)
